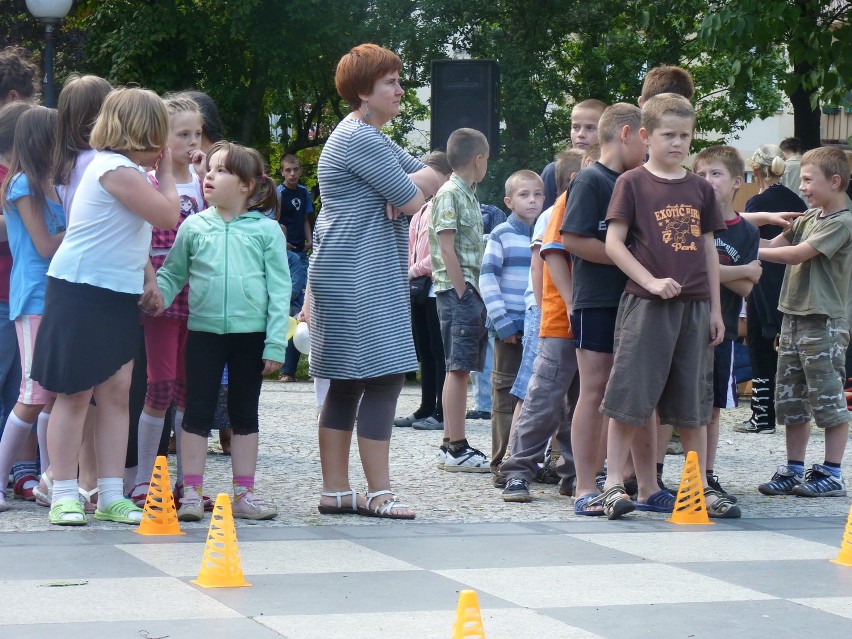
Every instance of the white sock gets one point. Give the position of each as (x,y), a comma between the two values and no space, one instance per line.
(178,426)
(150,432)
(110,490)
(65,489)
(14,435)
(41,429)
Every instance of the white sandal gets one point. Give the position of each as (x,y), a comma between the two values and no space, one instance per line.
(89,499)
(340,509)
(43,498)
(386,509)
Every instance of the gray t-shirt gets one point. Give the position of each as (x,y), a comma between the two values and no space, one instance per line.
(595,285)
(820,285)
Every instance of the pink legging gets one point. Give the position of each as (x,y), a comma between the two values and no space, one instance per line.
(165,347)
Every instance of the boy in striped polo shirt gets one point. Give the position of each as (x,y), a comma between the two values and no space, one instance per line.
(503,282)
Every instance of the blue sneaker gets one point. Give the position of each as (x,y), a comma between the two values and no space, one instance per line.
(819,482)
(782,483)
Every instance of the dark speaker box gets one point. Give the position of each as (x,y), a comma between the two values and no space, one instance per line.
(465,93)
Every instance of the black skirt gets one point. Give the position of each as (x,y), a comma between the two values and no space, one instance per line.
(86,335)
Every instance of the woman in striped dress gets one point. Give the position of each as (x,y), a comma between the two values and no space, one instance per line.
(359,304)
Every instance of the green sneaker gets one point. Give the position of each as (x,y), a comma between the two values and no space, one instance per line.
(67,512)
(123,511)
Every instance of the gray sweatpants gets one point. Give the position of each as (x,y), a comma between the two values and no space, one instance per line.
(544,412)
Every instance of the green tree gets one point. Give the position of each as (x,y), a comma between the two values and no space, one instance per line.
(815,36)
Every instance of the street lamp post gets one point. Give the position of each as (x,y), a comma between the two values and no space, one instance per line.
(50,12)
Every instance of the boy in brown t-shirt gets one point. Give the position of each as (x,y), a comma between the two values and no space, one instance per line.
(661,221)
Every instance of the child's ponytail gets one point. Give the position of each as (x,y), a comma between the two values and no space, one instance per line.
(265,196)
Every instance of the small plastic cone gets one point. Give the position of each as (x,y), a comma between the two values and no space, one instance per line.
(690,507)
(845,556)
(159,516)
(221,566)
(468,623)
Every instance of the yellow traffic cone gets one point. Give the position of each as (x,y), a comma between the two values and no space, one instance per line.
(690,507)
(221,566)
(845,556)
(468,623)
(159,516)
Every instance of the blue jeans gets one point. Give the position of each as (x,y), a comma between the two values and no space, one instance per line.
(10,365)
(298,263)
(482,381)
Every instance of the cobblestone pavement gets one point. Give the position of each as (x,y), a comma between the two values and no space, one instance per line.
(289,473)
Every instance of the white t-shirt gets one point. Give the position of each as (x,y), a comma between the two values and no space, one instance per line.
(106,245)
(67,191)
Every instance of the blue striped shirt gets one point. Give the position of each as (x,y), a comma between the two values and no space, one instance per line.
(504,276)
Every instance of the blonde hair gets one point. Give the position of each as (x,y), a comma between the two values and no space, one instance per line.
(591,155)
(513,181)
(592,104)
(181,104)
(768,161)
(568,162)
(728,156)
(662,105)
(131,120)
(832,161)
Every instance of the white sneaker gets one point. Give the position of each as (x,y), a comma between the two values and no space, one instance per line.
(191,505)
(441,457)
(252,506)
(467,460)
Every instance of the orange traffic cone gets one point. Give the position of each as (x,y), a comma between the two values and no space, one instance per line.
(468,623)
(221,566)
(845,556)
(159,516)
(689,503)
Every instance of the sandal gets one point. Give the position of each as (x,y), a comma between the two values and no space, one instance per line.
(340,509)
(139,499)
(67,512)
(89,499)
(661,501)
(588,505)
(43,497)
(723,507)
(120,512)
(616,503)
(385,510)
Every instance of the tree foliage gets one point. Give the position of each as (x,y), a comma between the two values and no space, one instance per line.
(814,35)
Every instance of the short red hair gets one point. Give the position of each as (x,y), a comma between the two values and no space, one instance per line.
(359,69)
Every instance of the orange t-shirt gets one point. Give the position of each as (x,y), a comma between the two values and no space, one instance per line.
(554,314)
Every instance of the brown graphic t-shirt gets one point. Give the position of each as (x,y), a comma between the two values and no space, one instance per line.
(667,219)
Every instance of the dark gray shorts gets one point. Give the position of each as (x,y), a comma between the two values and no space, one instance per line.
(662,360)
(463,329)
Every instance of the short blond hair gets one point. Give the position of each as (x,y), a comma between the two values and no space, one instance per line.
(131,120)
(513,181)
(726,155)
(615,118)
(662,105)
(181,104)
(831,160)
(568,162)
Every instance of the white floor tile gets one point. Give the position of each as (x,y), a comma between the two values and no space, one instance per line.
(516,623)
(600,585)
(715,545)
(143,598)
(272,557)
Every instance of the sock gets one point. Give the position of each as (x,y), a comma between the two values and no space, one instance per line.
(796,466)
(834,469)
(660,469)
(148,438)
(65,489)
(242,485)
(23,469)
(457,446)
(178,428)
(193,481)
(110,490)
(445,441)
(710,472)
(41,429)
(14,435)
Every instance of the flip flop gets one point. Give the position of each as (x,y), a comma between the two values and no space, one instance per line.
(661,501)
(340,509)
(583,505)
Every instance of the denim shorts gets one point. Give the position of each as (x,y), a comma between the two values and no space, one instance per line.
(463,329)
(811,370)
(532,324)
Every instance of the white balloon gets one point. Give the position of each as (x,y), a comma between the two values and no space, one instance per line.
(302,339)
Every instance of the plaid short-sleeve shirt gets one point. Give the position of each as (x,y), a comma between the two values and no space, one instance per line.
(455,208)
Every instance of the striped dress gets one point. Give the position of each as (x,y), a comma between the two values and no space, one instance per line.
(360,313)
